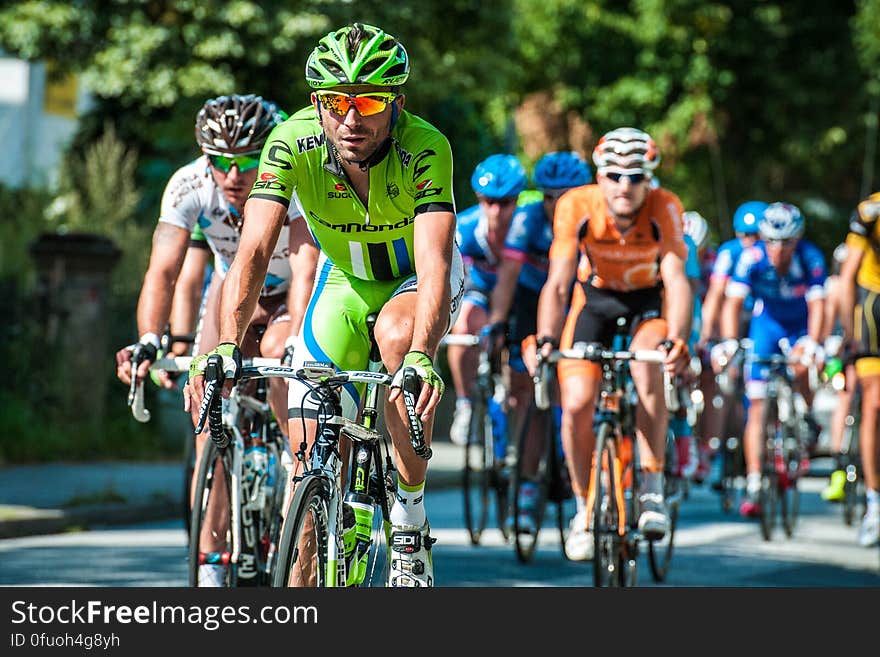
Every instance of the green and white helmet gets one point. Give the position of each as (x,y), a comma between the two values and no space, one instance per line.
(357,54)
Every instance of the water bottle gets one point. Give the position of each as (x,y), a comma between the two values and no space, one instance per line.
(271,470)
(349,540)
(255,466)
(499,428)
(361,507)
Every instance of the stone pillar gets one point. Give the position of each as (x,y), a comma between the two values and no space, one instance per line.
(73,280)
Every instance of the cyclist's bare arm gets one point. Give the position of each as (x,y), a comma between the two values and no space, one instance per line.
(154,304)
(815,318)
(432,247)
(188,295)
(502,293)
(712,304)
(554,295)
(303,263)
(730,313)
(847,289)
(678,297)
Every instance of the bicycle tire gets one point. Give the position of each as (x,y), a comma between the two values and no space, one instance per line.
(189,469)
(789,493)
(560,486)
(526,541)
(475,473)
(607,542)
(302,556)
(207,479)
(660,552)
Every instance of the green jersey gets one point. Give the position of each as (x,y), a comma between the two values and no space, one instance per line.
(409,175)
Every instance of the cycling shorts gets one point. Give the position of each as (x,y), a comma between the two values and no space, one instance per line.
(867,321)
(593,318)
(334,328)
(765,332)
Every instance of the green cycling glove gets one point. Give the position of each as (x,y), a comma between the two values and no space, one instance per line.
(231,355)
(424,367)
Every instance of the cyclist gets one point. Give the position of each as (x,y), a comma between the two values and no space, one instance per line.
(696,237)
(493,257)
(375,184)
(860,291)
(555,173)
(211,191)
(786,276)
(712,420)
(834,364)
(632,236)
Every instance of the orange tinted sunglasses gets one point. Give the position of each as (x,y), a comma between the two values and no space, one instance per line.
(367,104)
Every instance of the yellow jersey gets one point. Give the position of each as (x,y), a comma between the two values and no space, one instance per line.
(865,236)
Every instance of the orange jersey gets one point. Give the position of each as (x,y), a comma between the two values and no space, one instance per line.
(618,261)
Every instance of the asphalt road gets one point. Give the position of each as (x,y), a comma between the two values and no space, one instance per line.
(712,549)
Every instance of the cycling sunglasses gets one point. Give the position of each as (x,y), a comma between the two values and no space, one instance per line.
(788,241)
(243,162)
(367,104)
(634,178)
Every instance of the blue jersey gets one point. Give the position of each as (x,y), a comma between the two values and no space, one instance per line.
(692,271)
(482,264)
(725,262)
(782,298)
(530,229)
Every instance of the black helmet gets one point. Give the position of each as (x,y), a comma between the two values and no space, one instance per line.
(234,125)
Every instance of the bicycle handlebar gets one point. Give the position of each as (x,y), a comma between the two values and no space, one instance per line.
(458,339)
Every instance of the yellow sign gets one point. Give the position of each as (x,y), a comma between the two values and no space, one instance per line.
(60,93)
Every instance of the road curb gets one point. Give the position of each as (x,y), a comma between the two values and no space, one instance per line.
(29,521)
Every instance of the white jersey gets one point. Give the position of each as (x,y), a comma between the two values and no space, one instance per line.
(192,197)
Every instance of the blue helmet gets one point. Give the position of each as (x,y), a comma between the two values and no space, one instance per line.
(561,170)
(499,176)
(747,216)
(781,221)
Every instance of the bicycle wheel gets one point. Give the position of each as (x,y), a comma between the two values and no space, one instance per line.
(302,556)
(789,493)
(476,473)
(608,552)
(212,501)
(526,537)
(189,468)
(660,552)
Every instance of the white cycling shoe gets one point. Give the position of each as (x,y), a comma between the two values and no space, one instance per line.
(579,545)
(461,422)
(412,565)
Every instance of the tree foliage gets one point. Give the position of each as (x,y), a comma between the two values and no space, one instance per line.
(747,98)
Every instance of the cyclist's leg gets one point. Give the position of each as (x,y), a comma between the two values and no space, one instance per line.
(523,321)
(868,371)
(463,360)
(411,563)
(578,381)
(271,312)
(765,334)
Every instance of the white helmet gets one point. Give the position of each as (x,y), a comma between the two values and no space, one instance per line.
(781,221)
(697,227)
(626,151)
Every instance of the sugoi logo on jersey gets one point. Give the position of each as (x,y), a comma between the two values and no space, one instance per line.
(309,143)
(392,190)
(341,191)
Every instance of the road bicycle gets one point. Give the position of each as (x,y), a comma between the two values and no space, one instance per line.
(240,479)
(542,467)
(785,457)
(613,494)
(486,470)
(333,533)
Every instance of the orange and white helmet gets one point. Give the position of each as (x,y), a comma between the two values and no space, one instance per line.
(626,151)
